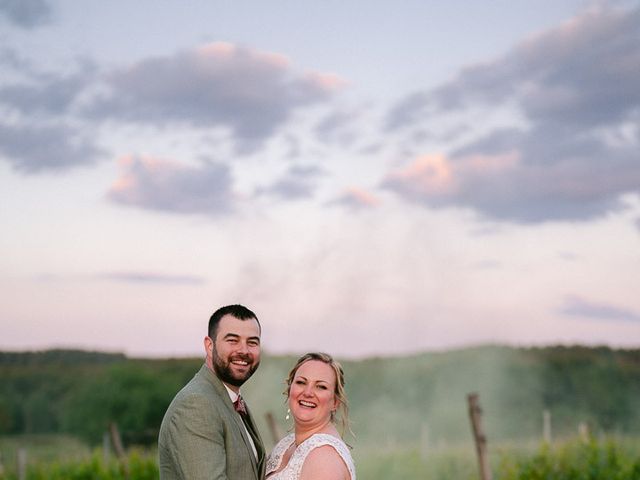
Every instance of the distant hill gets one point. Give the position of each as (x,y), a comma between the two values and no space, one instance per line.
(400,400)
(59,357)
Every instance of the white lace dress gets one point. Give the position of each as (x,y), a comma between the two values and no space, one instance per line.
(294,467)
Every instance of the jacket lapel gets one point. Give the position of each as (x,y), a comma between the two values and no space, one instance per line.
(255,435)
(233,415)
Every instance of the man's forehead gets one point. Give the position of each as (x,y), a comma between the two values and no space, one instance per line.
(232,325)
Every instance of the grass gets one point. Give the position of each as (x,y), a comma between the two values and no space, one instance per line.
(55,457)
(61,457)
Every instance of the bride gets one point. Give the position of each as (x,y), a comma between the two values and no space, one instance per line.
(315,450)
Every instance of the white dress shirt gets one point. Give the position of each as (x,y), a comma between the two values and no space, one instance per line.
(234,396)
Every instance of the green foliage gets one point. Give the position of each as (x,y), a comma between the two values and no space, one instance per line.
(132,396)
(58,357)
(384,464)
(137,466)
(577,460)
(605,459)
(391,399)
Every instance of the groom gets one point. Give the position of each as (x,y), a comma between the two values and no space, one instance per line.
(207,431)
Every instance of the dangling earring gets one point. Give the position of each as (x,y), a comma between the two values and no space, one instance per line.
(288,414)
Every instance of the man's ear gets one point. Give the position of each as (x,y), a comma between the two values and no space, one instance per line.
(208,345)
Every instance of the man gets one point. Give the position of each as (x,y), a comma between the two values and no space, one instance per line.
(204,434)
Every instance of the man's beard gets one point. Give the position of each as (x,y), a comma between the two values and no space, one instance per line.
(224,372)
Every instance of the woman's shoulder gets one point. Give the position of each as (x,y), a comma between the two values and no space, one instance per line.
(328,454)
(318,439)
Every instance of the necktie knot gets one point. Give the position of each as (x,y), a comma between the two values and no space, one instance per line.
(240,406)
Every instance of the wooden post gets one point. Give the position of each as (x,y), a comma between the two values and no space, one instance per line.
(106,448)
(546,426)
(424,441)
(116,440)
(583,431)
(475,414)
(273,427)
(22,464)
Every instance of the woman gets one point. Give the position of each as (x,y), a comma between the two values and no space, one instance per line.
(315,450)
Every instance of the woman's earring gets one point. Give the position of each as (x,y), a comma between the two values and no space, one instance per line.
(288,414)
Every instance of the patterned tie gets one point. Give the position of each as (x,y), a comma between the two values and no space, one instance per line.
(240,406)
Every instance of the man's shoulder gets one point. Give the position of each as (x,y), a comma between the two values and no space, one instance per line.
(204,383)
(198,398)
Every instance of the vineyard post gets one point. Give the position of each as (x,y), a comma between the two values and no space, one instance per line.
(116,440)
(546,426)
(475,414)
(424,441)
(583,431)
(22,464)
(106,448)
(273,427)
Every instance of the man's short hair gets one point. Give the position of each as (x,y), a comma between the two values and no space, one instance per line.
(237,311)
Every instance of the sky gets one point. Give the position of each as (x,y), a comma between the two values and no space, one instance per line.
(370,178)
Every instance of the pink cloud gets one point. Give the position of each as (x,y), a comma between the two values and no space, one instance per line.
(427,175)
(355,197)
(166,185)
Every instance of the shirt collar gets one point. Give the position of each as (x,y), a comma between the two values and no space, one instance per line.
(232,395)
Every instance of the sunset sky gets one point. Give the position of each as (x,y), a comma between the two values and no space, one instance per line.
(370,177)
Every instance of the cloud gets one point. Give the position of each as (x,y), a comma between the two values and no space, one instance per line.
(577,307)
(488,264)
(569,256)
(356,198)
(298,183)
(164,185)
(31,149)
(41,132)
(407,111)
(250,92)
(49,94)
(11,59)
(339,127)
(575,151)
(151,278)
(126,277)
(26,13)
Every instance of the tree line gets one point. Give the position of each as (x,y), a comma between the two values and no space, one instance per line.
(80,393)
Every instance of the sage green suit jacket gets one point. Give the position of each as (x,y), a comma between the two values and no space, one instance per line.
(202,436)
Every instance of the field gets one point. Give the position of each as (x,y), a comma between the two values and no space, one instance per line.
(54,457)
(409,414)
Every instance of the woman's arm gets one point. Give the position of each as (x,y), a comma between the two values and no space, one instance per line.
(324,463)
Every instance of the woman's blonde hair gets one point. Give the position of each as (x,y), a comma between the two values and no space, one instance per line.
(339,390)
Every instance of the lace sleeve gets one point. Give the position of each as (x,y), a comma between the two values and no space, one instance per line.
(275,458)
(315,441)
